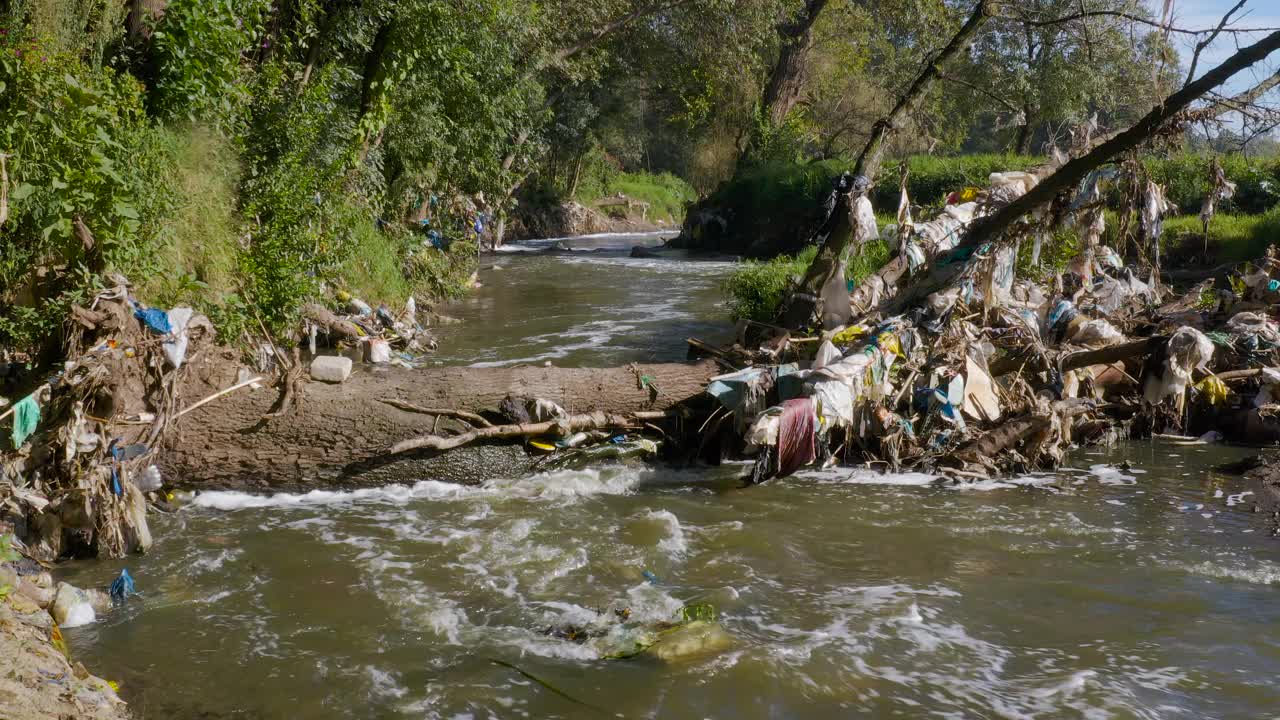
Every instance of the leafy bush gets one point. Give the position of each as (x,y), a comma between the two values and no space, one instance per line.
(86,194)
(932,178)
(666,194)
(198,46)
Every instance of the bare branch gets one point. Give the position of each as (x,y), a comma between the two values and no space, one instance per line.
(1168,28)
(1243,102)
(984,91)
(1200,46)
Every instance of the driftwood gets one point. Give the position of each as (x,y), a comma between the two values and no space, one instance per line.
(331,323)
(470,417)
(337,434)
(992,443)
(1080,358)
(561,426)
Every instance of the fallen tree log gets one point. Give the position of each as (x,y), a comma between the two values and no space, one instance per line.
(338,435)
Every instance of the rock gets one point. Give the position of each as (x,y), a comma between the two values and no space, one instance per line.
(691,640)
(41,596)
(72,607)
(99,601)
(38,681)
(331,369)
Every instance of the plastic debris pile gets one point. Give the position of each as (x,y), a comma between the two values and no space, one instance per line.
(992,373)
(77,475)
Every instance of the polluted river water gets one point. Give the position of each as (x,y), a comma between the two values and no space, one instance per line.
(1133,583)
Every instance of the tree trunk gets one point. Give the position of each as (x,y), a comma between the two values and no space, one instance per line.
(373,65)
(787,78)
(1022,143)
(339,435)
(141,12)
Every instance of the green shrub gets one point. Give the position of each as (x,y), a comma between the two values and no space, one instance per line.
(198,240)
(932,178)
(81,149)
(198,47)
(1186,181)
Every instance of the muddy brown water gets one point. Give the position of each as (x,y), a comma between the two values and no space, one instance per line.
(1094,592)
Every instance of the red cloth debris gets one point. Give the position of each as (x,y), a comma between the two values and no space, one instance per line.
(796,436)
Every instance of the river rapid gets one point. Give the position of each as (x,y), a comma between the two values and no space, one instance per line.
(1134,583)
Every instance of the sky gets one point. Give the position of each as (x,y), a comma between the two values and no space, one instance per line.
(1197,14)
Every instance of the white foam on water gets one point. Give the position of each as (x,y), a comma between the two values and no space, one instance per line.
(568,484)
(1259,573)
(1071,686)
(561,484)
(844,476)
(1038,480)
(208,563)
(673,542)
(235,500)
(1111,475)
(384,683)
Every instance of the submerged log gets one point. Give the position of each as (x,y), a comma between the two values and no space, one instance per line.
(338,435)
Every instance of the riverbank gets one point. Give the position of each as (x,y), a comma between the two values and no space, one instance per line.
(39,679)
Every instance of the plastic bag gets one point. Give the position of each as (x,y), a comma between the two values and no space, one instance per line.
(827,354)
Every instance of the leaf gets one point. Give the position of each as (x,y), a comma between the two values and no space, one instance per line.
(126,211)
(22,192)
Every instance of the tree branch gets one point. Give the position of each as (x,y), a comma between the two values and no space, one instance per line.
(612,27)
(994,227)
(1074,171)
(1200,46)
(1132,18)
(984,91)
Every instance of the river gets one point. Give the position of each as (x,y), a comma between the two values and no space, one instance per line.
(1094,592)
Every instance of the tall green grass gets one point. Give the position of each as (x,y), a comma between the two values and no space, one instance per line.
(198,243)
(755,289)
(1232,237)
(666,194)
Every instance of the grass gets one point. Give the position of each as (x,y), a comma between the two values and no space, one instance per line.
(199,242)
(1232,238)
(666,194)
(755,289)
(373,271)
